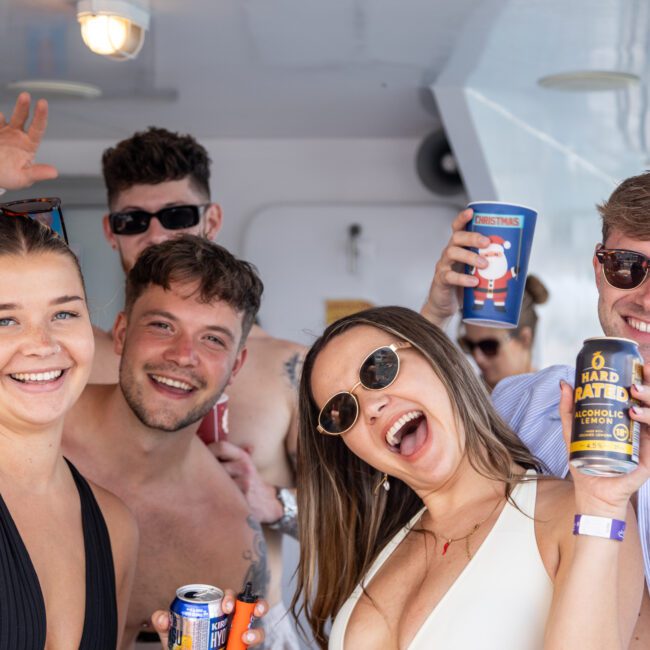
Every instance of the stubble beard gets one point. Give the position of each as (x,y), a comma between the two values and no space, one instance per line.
(157,418)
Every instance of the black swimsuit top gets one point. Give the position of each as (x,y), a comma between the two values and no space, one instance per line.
(22,608)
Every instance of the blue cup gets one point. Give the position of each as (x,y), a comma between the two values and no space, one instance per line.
(496,300)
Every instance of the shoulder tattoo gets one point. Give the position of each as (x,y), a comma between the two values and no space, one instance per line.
(292,368)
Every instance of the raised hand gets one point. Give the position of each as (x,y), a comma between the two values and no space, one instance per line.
(19,144)
(608,496)
(449,278)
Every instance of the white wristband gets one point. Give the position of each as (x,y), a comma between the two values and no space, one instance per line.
(599,527)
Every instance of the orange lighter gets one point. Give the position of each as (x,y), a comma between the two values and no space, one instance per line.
(242,618)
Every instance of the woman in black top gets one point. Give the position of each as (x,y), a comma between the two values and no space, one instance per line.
(67,549)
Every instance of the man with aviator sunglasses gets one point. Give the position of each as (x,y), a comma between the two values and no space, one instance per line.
(529,403)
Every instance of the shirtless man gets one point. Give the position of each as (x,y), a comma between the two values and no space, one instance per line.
(189,306)
(149,172)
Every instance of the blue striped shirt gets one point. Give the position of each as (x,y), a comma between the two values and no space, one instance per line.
(529,404)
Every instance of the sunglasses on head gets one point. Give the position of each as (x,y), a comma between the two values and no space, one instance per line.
(378,371)
(489,347)
(135,222)
(623,269)
(47,211)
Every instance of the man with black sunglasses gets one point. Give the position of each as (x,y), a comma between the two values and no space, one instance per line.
(158,188)
(529,403)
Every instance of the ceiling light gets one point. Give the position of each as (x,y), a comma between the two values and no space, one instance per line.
(113,28)
(54,88)
(589,80)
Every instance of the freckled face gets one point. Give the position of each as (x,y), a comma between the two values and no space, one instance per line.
(46,340)
(430,444)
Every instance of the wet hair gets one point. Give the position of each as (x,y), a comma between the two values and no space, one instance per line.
(535,293)
(155,156)
(343,525)
(23,236)
(191,259)
(627,209)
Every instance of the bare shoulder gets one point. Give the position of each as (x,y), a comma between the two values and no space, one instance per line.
(106,363)
(554,508)
(271,347)
(120,521)
(278,356)
(554,495)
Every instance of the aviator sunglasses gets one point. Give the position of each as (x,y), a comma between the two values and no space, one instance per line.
(623,269)
(378,371)
(47,211)
(135,222)
(489,347)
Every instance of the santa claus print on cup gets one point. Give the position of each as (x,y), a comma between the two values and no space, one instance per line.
(496,299)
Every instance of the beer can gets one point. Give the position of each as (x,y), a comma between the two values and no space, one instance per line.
(197,620)
(604,439)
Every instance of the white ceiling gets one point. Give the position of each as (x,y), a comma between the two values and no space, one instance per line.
(245,68)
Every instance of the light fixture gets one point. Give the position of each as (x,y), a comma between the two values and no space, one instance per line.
(55,88)
(113,28)
(589,80)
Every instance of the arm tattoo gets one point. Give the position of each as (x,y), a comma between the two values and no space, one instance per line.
(258,572)
(292,369)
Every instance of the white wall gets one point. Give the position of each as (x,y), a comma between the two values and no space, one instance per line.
(248,176)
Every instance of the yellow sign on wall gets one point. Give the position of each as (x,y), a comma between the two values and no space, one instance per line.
(335,309)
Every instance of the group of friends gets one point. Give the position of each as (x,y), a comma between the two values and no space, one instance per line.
(425,507)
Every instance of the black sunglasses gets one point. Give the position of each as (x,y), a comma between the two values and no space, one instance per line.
(47,211)
(623,269)
(378,371)
(489,347)
(135,222)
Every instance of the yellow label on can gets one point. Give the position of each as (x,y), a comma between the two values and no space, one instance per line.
(601,445)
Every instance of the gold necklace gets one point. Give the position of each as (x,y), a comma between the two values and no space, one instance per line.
(450,540)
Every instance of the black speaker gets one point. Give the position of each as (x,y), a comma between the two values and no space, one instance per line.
(436,165)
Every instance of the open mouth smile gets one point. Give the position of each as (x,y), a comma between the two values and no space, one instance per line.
(408,434)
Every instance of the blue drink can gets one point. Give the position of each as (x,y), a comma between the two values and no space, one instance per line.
(197,620)
(496,300)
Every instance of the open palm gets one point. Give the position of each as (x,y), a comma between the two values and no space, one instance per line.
(19,144)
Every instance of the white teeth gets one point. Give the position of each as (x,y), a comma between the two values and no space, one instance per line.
(391,437)
(37,376)
(640,325)
(174,383)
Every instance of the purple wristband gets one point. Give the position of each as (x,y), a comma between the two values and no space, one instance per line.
(599,527)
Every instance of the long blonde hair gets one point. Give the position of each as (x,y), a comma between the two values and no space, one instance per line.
(343,525)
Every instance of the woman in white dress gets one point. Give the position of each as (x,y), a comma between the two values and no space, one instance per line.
(422,524)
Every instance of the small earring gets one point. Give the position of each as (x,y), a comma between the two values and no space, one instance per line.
(383,482)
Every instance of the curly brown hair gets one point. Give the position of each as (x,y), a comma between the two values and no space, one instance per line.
(188,259)
(155,156)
